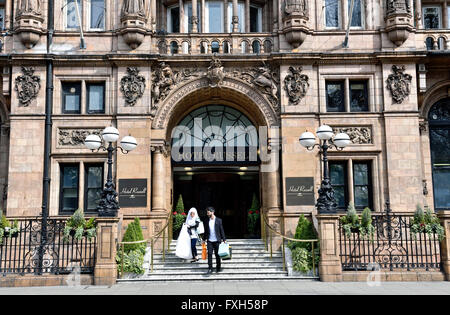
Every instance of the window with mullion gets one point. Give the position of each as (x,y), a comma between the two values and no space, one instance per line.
(93,186)
(357,14)
(432,17)
(338,178)
(362,187)
(335,96)
(97,14)
(69,183)
(71,97)
(72,21)
(95,98)
(332,13)
(359,98)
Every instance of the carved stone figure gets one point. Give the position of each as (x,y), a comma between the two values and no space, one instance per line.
(27,86)
(29,7)
(266,81)
(132,86)
(296,85)
(296,6)
(215,72)
(75,137)
(358,135)
(134,7)
(397,6)
(399,83)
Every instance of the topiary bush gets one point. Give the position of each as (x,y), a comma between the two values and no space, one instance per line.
(253,216)
(134,233)
(302,257)
(133,254)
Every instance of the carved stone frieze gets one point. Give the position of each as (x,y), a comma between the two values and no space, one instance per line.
(299,7)
(357,134)
(399,83)
(27,86)
(75,137)
(296,85)
(132,86)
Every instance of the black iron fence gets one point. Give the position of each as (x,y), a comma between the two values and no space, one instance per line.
(392,247)
(26,251)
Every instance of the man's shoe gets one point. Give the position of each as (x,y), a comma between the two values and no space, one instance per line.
(209,271)
(218,270)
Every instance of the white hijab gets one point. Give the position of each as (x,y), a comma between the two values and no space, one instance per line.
(191,220)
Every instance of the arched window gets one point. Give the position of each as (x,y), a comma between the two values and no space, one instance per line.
(215,47)
(226,47)
(216,128)
(267,46)
(430,43)
(174,48)
(256,46)
(439,122)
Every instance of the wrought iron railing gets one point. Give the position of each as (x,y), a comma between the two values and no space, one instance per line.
(26,252)
(392,247)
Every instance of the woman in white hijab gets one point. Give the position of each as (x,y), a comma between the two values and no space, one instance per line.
(192,222)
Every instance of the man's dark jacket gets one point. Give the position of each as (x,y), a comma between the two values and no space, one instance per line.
(220,234)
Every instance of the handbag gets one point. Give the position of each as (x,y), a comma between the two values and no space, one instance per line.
(201,228)
(204,256)
(224,250)
(228,256)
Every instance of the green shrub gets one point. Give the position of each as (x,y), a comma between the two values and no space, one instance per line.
(80,226)
(179,208)
(302,257)
(134,233)
(132,262)
(426,222)
(253,216)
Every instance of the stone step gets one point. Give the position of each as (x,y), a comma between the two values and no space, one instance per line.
(234,257)
(204,266)
(238,262)
(225,271)
(215,277)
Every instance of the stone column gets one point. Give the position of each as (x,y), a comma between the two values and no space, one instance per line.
(445,15)
(225,16)
(235,16)
(203,8)
(418,14)
(194,17)
(154,15)
(330,268)
(8,17)
(445,244)
(275,15)
(158,176)
(105,272)
(247,16)
(181,4)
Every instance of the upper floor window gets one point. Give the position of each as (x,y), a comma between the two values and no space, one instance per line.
(335,96)
(357,91)
(332,13)
(2,15)
(432,17)
(95,97)
(357,14)
(359,102)
(68,192)
(72,97)
(95,14)
(93,186)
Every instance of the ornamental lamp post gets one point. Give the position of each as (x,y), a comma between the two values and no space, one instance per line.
(326,203)
(108,205)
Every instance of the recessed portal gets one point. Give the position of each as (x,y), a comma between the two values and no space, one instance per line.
(229,190)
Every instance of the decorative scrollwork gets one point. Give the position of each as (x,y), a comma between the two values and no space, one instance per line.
(75,137)
(132,86)
(399,83)
(27,86)
(296,85)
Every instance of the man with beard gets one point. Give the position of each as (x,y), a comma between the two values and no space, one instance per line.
(214,235)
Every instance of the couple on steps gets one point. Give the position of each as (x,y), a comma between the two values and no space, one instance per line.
(212,232)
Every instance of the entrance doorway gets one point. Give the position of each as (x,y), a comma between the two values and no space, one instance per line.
(229,190)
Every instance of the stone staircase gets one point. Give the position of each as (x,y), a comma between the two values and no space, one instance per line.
(250,261)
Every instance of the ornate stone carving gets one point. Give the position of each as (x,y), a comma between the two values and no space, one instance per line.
(296,7)
(165,79)
(295,21)
(215,73)
(358,135)
(399,20)
(397,6)
(75,137)
(296,85)
(26,7)
(133,19)
(27,86)
(132,86)
(423,126)
(399,83)
(29,22)
(160,147)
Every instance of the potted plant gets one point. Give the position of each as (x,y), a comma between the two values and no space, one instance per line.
(426,222)
(78,227)
(6,228)
(351,223)
(130,257)
(253,217)
(179,217)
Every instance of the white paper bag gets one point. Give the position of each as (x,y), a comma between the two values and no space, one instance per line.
(183,249)
(201,228)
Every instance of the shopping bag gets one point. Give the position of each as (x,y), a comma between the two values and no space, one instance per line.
(201,228)
(183,249)
(224,250)
(228,256)
(204,255)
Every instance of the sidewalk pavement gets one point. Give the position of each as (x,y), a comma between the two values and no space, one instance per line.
(303,287)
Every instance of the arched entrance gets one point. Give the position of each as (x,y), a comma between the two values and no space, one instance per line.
(215,163)
(439,124)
